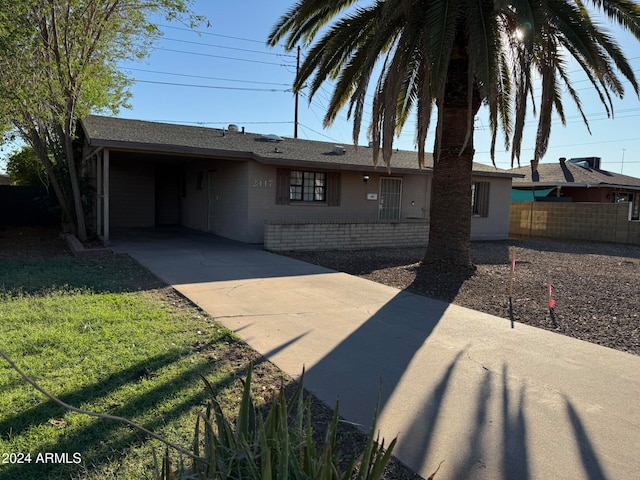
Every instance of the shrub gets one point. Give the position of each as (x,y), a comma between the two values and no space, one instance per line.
(277,447)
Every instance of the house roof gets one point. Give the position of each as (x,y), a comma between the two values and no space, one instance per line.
(5,179)
(569,174)
(126,134)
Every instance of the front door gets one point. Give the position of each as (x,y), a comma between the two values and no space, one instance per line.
(390,199)
(167,198)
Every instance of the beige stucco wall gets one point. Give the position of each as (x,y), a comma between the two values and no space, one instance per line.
(227,194)
(244,198)
(354,204)
(231,201)
(194,210)
(131,194)
(496,225)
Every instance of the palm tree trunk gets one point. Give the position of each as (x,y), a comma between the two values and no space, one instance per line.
(450,214)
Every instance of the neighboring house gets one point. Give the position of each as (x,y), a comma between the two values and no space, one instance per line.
(5,179)
(576,180)
(232,183)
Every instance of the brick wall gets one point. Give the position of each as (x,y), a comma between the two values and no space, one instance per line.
(603,222)
(345,235)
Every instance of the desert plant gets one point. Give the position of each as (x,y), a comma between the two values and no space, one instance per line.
(278,446)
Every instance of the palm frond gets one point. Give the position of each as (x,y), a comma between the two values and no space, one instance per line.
(596,48)
(507,43)
(485,45)
(625,13)
(574,96)
(304,20)
(549,95)
(425,104)
(441,21)
(602,92)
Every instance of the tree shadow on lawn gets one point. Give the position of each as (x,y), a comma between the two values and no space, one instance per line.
(96,442)
(41,275)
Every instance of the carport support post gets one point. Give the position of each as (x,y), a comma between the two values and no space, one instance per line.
(105,196)
(99,194)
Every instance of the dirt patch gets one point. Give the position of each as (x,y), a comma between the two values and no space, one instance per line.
(595,285)
(32,241)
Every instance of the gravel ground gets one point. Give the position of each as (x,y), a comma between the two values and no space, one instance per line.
(596,286)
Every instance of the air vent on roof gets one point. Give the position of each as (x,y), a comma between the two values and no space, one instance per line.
(339,150)
(272,138)
(233,127)
(587,162)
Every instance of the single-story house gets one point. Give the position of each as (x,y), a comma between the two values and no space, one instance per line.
(575,180)
(5,179)
(233,183)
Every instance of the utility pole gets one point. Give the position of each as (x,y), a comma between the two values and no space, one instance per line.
(622,164)
(295,119)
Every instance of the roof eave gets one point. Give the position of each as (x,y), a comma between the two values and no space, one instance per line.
(518,184)
(180,150)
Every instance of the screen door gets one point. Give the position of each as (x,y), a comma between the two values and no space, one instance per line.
(390,199)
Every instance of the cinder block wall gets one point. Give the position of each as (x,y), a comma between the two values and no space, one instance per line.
(602,222)
(345,235)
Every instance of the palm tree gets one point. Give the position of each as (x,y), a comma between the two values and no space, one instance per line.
(457,55)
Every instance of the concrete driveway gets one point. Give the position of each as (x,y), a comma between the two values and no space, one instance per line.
(458,386)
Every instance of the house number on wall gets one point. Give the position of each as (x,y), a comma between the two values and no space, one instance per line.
(262,183)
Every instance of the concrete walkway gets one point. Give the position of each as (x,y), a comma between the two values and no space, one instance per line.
(458,386)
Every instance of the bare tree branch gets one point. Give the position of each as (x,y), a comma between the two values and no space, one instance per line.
(104,416)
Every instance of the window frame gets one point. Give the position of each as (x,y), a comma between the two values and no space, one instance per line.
(480,195)
(332,194)
(309,187)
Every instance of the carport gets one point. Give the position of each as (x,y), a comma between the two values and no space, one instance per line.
(147,175)
(137,189)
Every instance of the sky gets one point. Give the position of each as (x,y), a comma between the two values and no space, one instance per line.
(223,73)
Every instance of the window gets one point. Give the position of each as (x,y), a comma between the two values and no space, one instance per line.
(480,199)
(307,186)
(296,186)
(631,198)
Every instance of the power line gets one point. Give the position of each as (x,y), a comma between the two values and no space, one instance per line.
(190,122)
(201,32)
(207,77)
(173,84)
(318,133)
(228,48)
(574,144)
(200,54)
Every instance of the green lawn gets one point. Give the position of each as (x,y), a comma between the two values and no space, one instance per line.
(102,335)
